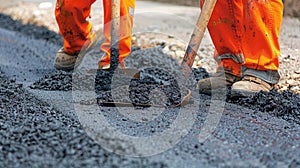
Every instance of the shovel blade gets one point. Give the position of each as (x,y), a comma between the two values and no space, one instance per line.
(132,72)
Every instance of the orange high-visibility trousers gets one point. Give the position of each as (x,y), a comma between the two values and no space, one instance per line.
(75,28)
(126,24)
(245,34)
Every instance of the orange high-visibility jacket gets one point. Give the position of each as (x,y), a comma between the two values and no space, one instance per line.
(245,34)
(71,16)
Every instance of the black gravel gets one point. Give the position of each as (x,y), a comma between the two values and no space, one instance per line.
(284,105)
(139,89)
(59,80)
(158,69)
(34,134)
(157,75)
(62,81)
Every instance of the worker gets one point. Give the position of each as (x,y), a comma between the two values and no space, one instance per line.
(246,39)
(72,17)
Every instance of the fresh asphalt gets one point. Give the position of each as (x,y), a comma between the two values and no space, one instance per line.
(40,128)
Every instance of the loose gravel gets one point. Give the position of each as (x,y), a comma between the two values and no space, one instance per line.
(284,105)
(34,134)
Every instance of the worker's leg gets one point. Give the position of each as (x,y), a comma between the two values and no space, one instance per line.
(245,34)
(225,28)
(126,24)
(262,21)
(71,17)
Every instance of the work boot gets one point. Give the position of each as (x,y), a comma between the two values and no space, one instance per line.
(219,80)
(248,86)
(66,62)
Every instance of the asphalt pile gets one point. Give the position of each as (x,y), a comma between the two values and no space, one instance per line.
(59,80)
(284,105)
(62,80)
(34,134)
(279,104)
(157,71)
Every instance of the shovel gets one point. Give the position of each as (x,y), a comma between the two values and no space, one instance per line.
(197,37)
(190,53)
(193,45)
(115,37)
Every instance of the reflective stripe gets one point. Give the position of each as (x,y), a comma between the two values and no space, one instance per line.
(269,76)
(131,11)
(237,58)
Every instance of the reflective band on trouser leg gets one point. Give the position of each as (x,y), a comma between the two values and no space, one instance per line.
(127,9)
(71,16)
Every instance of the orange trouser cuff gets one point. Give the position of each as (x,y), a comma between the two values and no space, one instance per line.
(230,66)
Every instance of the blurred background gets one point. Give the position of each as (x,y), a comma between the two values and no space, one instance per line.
(292,7)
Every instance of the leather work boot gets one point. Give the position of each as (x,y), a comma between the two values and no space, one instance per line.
(67,62)
(218,81)
(248,86)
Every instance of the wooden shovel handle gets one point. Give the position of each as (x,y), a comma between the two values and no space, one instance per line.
(115,21)
(197,36)
(115,33)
